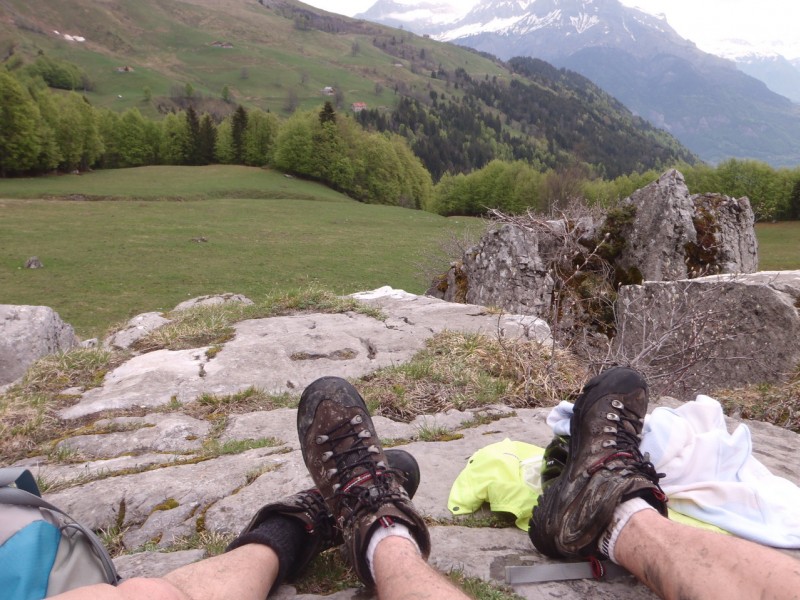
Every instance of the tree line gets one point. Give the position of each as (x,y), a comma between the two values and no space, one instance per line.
(42,131)
(514,187)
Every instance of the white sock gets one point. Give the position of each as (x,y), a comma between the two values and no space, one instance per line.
(381,533)
(622,515)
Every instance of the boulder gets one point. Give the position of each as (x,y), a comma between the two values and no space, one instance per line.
(711,332)
(676,236)
(135,329)
(27,333)
(504,269)
(726,235)
(213,301)
(655,240)
(660,233)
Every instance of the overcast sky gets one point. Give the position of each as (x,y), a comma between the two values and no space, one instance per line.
(766,24)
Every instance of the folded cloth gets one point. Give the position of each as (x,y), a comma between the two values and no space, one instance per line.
(712,475)
(496,474)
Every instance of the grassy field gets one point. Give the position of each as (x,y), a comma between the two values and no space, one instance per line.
(107,260)
(135,240)
(778,246)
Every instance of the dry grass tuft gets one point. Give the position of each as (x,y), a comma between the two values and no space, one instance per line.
(28,411)
(778,404)
(251,399)
(214,325)
(468,371)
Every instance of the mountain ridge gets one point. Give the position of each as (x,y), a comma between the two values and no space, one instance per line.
(595,37)
(282,56)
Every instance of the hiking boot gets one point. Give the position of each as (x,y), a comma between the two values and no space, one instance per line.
(317,531)
(603,469)
(554,460)
(361,487)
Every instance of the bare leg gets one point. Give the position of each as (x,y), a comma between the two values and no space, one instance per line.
(246,573)
(402,574)
(677,561)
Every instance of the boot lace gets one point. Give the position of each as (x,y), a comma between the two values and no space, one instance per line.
(313,505)
(368,489)
(628,458)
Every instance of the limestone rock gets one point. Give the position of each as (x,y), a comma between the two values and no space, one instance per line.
(27,333)
(661,228)
(164,503)
(150,380)
(33,263)
(714,331)
(284,354)
(213,301)
(135,329)
(504,269)
(152,433)
(726,235)
(667,235)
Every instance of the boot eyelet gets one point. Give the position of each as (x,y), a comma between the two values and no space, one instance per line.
(331,472)
(612,417)
(365,434)
(357,420)
(609,429)
(617,404)
(326,455)
(609,444)
(321,439)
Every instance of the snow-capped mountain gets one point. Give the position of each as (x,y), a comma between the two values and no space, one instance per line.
(770,66)
(712,107)
(495,26)
(423,17)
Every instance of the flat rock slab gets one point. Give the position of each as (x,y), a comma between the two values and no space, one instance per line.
(175,485)
(737,329)
(164,504)
(152,433)
(284,354)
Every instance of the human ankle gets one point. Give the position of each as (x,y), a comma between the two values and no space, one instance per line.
(381,533)
(622,515)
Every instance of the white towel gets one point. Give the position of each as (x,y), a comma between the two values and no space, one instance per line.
(711,474)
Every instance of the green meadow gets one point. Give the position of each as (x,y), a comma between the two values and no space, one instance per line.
(120,242)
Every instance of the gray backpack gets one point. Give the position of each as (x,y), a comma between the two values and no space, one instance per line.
(43,552)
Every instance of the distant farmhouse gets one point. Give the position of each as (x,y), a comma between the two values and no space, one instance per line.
(357,107)
(328,91)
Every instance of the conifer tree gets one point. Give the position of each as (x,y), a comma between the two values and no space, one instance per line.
(238,128)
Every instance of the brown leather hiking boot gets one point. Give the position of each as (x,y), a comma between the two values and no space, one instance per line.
(604,468)
(317,530)
(345,458)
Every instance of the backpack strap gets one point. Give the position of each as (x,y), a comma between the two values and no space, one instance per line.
(20,497)
(20,476)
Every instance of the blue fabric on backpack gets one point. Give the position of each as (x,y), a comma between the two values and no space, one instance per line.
(27,558)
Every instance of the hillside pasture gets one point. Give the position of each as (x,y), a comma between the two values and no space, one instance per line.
(119,242)
(188,231)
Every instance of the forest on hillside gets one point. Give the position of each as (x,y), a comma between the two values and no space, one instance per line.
(383,158)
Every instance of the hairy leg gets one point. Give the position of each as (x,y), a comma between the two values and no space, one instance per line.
(246,573)
(402,574)
(678,562)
